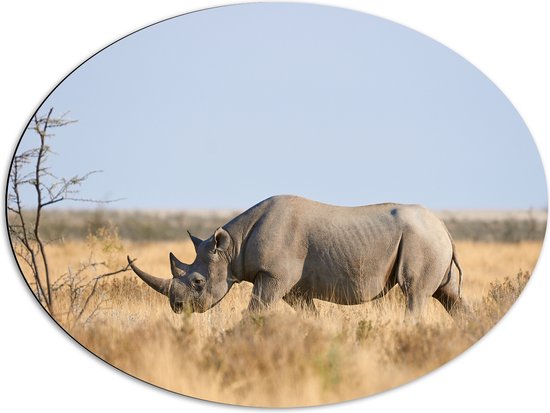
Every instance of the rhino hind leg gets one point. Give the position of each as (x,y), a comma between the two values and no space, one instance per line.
(418,272)
(448,295)
(416,294)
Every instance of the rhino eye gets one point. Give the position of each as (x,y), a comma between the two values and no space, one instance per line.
(198,282)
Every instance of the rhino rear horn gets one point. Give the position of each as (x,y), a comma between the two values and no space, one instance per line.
(196,241)
(178,268)
(160,285)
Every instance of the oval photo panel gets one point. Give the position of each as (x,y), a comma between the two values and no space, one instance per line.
(276,204)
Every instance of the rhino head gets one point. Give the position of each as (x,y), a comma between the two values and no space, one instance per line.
(198,286)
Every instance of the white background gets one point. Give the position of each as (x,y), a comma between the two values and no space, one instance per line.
(41,368)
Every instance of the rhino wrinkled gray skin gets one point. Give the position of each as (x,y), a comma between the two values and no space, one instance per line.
(297,249)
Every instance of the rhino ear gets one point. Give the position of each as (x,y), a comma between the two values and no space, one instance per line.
(178,268)
(196,241)
(222,239)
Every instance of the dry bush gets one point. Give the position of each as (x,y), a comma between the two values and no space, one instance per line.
(503,294)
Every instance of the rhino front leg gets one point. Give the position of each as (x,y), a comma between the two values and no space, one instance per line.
(301,302)
(267,290)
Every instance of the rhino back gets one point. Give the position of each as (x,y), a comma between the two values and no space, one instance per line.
(351,258)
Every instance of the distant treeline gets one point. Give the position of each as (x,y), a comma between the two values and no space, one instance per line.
(510,230)
(507,226)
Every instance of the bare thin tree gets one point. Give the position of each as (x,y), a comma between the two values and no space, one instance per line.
(30,170)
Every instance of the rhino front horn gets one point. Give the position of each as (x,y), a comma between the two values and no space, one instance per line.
(161,285)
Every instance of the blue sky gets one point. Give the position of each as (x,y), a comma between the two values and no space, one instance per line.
(225,107)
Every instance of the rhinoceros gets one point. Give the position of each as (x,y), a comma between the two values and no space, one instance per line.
(296,249)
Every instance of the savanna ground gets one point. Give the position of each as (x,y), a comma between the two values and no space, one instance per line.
(283,357)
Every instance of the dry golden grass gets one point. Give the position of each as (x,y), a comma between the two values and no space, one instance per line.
(281,358)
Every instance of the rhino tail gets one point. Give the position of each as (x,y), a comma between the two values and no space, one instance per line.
(454,259)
